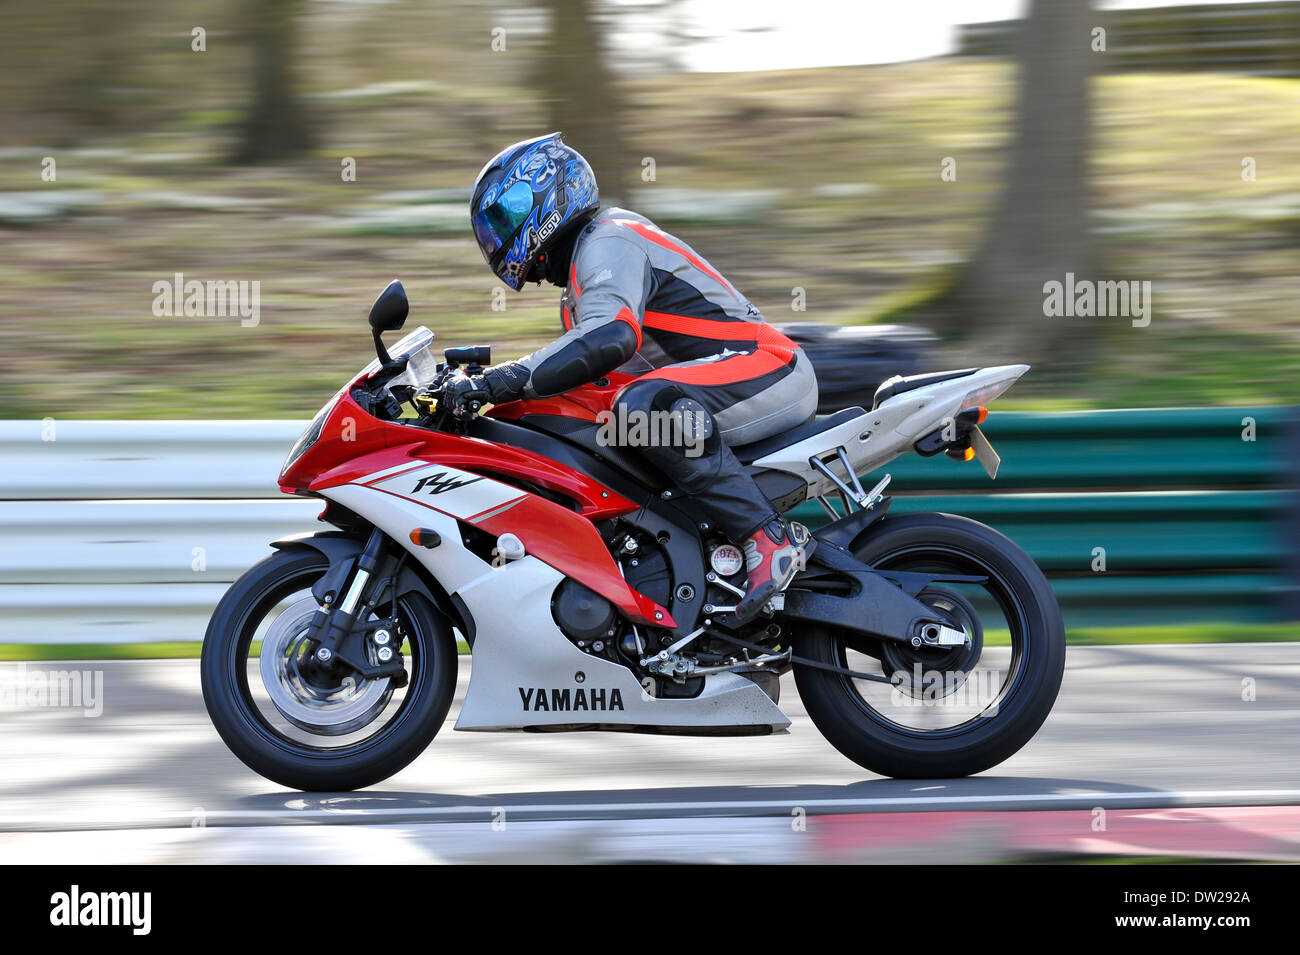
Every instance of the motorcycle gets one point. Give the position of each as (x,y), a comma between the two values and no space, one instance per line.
(592,595)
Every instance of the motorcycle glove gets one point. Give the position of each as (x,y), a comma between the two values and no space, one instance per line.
(496,385)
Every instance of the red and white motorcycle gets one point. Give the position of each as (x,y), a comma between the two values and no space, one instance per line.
(593,596)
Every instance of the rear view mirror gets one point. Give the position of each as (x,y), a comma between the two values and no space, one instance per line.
(389,312)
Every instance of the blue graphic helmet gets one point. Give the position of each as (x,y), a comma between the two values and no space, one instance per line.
(526,198)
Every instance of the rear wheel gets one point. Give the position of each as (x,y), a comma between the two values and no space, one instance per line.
(312,727)
(947,711)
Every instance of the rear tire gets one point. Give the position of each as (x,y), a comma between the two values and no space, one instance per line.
(890,749)
(300,765)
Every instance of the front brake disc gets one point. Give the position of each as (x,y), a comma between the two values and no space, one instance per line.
(325,707)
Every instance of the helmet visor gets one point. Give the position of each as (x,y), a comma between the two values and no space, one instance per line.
(494,225)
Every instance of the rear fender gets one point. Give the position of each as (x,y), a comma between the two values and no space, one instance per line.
(845,532)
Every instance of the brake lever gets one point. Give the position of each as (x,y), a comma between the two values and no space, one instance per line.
(431,393)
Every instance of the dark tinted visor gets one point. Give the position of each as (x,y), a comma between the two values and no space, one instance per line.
(494,225)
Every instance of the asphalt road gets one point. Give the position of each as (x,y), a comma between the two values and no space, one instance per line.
(1134,727)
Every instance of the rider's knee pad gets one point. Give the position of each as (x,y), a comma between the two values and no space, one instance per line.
(672,418)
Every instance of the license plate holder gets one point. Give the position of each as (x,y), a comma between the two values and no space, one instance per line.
(984,452)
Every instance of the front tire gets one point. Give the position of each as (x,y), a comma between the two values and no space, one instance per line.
(869,736)
(230,676)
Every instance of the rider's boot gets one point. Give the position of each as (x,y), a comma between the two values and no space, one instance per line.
(774,554)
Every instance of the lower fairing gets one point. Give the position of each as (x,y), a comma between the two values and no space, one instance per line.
(523,662)
(519,652)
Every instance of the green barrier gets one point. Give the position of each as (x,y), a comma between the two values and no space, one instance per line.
(1137,517)
(1117,450)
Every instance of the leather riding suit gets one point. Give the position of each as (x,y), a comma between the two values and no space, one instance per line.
(641,301)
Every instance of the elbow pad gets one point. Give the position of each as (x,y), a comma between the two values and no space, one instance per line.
(585,359)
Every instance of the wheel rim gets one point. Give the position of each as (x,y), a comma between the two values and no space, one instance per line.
(299,714)
(949,702)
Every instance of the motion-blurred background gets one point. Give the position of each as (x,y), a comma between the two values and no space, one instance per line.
(902,181)
(913,173)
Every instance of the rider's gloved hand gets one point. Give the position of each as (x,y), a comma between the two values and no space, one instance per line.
(500,383)
(461,394)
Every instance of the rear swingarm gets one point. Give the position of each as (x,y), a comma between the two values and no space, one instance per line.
(877,603)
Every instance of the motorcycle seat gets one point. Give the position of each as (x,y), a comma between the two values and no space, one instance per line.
(749,453)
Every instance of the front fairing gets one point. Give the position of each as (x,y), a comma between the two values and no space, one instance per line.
(341,420)
(345,431)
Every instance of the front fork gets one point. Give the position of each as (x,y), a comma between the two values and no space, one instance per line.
(341,628)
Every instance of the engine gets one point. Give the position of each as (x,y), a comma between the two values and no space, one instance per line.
(595,627)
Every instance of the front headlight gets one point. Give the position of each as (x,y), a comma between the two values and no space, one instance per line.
(309,436)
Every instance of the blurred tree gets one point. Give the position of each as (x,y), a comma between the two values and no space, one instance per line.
(277,124)
(581,93)
(68,70)
(1039,228)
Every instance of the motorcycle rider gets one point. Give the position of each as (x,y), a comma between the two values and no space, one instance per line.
(641,301)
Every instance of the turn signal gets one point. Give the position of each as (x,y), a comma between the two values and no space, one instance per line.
(425,537)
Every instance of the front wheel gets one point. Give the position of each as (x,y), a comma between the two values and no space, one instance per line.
(312,727)
(951,711)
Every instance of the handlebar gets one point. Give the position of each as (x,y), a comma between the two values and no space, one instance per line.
(434,390)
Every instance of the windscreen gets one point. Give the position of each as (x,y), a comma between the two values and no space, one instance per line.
(410,343)
(421,362)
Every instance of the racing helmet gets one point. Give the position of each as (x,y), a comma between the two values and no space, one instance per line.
(526,199)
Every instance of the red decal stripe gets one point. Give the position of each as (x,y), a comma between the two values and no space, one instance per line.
(652,234)
(703,327)
(724,372)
